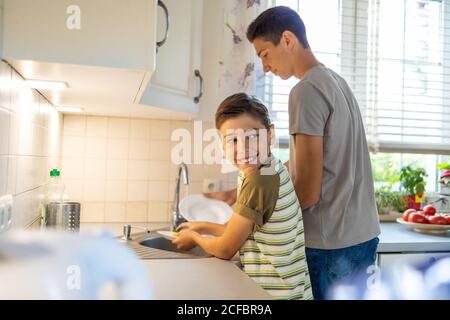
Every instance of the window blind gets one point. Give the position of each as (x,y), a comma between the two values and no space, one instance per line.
(395,55)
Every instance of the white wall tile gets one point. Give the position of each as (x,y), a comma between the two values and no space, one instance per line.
(72,168)
(12,175)
(179,124)
(137,180)
(115,211)
(92,212)
(139,149)
(118,148)
(5,85)
(74,147)
(139,129)
(160,130)
(95,168)
(29,144)
(3,174)
(96,127)
(118,128)
(160,150)
(116,169)
(158,170)
(137,191)
(138,170)
(116,190)
(96,147)
(136,211)
(158,191)
(158,212)
(21,96)
(74,126)
(74,189)
(28,169)
(94,190)
(4,131)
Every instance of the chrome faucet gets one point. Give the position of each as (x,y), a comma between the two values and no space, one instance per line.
(176,217)
(127,231)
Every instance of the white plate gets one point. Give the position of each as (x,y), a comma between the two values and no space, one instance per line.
(425,228)
(167,234)
(197,207)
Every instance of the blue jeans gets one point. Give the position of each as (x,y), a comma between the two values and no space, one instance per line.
(328,267)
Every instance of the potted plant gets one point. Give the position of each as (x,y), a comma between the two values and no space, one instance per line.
(412,182)
(444,178)
(388,201)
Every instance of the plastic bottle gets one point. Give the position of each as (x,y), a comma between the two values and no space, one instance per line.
(54,193)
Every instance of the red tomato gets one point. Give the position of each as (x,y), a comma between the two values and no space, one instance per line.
(429,210)
(448,219)
(437,220)
(416,217)
(407,213)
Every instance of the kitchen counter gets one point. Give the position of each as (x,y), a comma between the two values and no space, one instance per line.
(200,278)
(212,278)
(399,238)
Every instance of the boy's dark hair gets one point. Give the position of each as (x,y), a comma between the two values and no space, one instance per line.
(241,103)
(271,24)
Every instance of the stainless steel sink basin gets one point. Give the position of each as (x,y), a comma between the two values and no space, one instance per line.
(153,246)
(161,243)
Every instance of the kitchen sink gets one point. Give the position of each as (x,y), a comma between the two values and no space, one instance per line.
(154,246)
(161,243)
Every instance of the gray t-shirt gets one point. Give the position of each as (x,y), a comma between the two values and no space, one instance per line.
(322,104)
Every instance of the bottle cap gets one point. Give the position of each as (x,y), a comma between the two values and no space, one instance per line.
(54,173)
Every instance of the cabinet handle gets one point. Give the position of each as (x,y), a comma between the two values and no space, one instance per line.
(166,12)
(197,74)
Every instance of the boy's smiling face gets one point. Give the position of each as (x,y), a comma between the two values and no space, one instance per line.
(246,141)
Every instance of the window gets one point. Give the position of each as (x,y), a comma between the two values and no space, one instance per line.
(386,168)
(326,46)
(395,54)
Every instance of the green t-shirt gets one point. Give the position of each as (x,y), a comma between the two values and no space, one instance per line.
(257,197)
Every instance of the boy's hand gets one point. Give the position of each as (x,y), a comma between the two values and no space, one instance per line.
(192,226)
(184,240)
(228,197)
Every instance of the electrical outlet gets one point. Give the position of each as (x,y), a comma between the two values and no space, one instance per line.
(212,185)
(6,208)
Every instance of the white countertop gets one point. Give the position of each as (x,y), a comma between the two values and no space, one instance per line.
(178,279)
(213,278)
(395,237)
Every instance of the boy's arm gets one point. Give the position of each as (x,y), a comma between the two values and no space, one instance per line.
(226,245)
(309,169)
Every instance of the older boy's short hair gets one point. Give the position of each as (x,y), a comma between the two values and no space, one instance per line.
(241,103)
(271,24)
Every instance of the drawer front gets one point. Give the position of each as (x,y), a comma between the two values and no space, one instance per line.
(386,260)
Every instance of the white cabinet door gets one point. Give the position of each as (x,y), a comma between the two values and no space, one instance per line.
(101,33)
(105,50)
(175,84)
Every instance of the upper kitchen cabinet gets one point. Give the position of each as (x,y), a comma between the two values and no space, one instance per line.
(177,82)
(105,50)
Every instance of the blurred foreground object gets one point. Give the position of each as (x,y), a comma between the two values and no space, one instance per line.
(63,265)
(428,281)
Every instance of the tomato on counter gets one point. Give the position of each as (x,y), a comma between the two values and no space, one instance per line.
(429,210)
(436,219)
(407,213)
(417,217)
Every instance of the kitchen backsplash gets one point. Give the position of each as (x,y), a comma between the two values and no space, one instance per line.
(30,144)
(120,169)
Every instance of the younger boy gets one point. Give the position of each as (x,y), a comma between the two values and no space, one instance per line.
(266,226)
